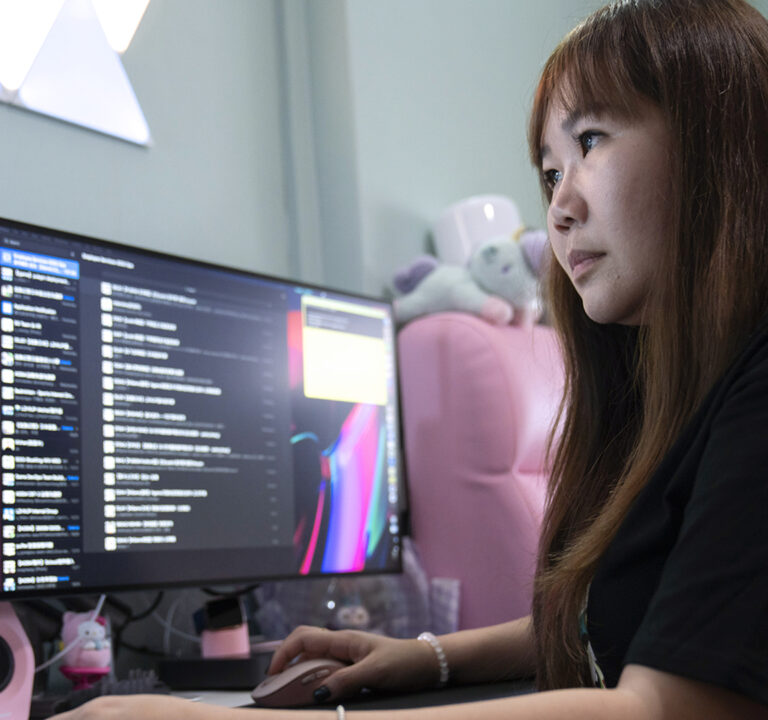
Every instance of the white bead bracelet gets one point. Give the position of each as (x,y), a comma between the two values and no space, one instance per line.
(442,661)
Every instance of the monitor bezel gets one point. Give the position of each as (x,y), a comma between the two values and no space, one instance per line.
(28,593)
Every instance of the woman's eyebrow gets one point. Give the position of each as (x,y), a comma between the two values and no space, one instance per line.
(571,119)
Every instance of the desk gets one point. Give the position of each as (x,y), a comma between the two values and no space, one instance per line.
(223,698)
(448,696)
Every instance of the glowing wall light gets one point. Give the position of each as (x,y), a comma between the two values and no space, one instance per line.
(120,20)
(67,66)
(24,26)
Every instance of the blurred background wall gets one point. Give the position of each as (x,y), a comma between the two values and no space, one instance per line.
(302,138)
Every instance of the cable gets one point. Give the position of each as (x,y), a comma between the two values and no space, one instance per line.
(77,641)
(148,611)
(130,617)
(167,623)
(170,630)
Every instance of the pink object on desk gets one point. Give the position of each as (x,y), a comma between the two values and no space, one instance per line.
(83,677)
(17,666)
(87,641)
(478,401)
(231,642)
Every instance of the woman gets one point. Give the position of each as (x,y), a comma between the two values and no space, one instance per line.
(650,129)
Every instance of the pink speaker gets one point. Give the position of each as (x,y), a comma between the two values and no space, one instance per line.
(17,667)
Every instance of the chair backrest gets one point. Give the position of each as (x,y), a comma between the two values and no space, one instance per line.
(478,401)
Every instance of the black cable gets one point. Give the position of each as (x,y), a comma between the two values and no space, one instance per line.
(152,607)
(48,618)
(119,605)
(131,617)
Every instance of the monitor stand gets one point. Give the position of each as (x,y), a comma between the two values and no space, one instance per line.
(17,666)
(213,673)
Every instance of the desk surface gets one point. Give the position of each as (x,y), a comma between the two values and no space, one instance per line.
(224,698)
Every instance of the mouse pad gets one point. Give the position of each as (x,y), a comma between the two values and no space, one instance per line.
(428,698)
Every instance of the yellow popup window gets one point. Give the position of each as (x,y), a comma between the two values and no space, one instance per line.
(345,352)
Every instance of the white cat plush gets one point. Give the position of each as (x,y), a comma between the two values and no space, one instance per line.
(500,282)
(93,648)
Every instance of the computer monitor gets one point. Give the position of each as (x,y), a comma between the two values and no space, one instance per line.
(167,422)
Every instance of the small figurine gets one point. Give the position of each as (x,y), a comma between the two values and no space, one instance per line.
(90,654)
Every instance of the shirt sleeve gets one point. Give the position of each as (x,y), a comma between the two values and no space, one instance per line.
(708,619)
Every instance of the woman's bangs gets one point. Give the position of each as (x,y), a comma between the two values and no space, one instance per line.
(590,77)
(583,85)
(598,68)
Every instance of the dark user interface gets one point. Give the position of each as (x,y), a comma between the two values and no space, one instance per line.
(146,406)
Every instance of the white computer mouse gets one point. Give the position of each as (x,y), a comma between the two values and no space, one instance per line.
(294,686)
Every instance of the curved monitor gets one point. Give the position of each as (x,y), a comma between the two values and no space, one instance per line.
(171,422)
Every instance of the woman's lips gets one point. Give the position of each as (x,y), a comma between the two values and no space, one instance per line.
(580,261)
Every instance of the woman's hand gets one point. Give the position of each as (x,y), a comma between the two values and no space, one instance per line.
(375,662)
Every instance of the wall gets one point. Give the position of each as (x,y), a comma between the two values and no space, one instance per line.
(316,139)
(212,186)
(420,103)
(428,101)
(441,111)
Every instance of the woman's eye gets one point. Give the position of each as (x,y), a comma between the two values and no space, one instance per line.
(587,140)
(551,178)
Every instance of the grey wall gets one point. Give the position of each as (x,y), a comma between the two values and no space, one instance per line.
(441,90)
(213,184)
(423,102)
(311,138)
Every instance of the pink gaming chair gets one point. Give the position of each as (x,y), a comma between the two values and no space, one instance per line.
(478,401)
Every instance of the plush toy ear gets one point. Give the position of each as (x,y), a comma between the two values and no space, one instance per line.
(407,278)
(534,243)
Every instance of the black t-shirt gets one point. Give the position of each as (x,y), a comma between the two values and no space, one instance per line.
(683,587)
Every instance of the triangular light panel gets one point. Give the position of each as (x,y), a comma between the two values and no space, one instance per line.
(24,26)
(120,18)
(79,78)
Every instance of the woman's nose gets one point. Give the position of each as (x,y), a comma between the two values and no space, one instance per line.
(568,207)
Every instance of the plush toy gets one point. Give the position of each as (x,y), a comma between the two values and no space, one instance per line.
(351,613)
(93,648)
(351,616)
(499,283)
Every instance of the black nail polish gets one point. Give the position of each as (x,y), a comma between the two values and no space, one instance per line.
(321,694)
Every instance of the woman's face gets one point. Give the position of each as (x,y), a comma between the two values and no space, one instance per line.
(610,209)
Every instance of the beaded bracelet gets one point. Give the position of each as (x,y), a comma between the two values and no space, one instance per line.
(442,661)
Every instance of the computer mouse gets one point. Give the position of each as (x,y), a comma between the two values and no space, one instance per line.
(294,686)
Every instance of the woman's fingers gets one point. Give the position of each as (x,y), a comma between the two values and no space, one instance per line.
(296,644)
(346,682)
(311,642)
(373,661)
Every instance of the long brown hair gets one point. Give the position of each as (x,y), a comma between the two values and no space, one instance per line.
(630,391)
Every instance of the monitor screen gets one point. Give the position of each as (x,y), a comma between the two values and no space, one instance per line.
(171,422)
